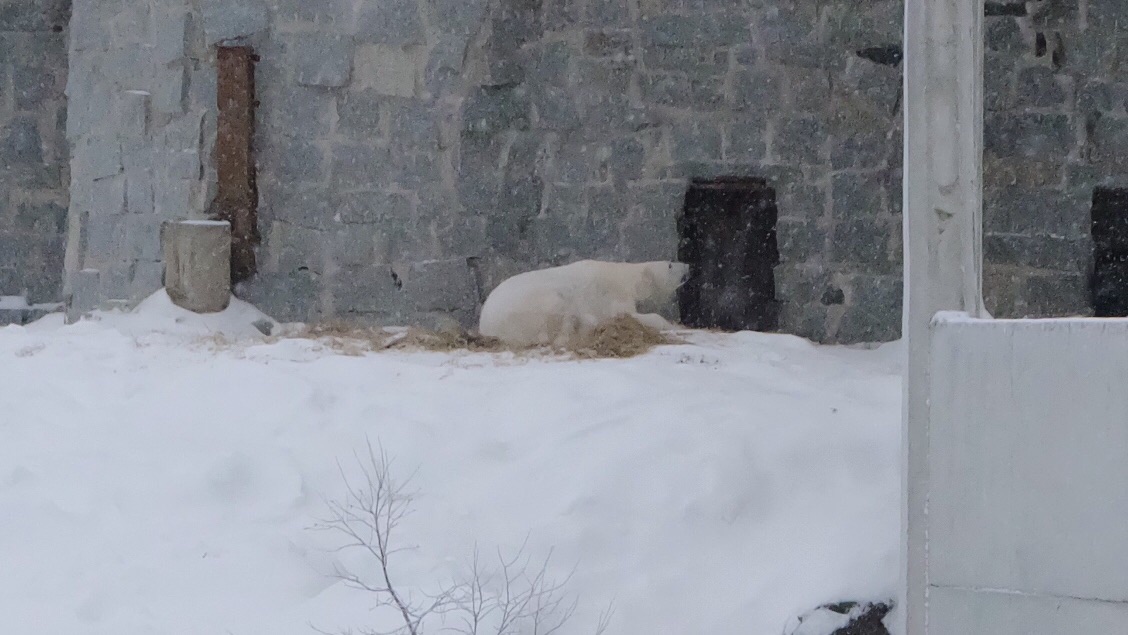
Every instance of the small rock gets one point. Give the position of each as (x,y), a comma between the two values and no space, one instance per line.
(266,327)
(842,618)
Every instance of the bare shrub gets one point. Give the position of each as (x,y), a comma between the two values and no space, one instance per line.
(512,597)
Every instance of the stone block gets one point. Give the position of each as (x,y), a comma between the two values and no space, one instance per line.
(491,109)
(107,196)
(1003,35)
(607,13)
(372,207)
(133,113)
(390,22)
(197,256)
(864,149)
(613,44)
(442,72)
(858,196)
(170,35)
(864,243)
(178,198)
(877,86)
(415,170)
(858,26)
(320,59)
(441,285)
(554,67)
(800,240)
(182,133)
(559,15)
(1039,87)
(85,296)
(226,21)
(34,86)
(142,237)
(1032,135)
(458,16)
(1057,295)
(413,124)
(361,166)
(293,161)
(1095,97)
(287,297)
(203,88)
(103,238)
(1035,211)
(799,140)
(555,108)
(696,61)
(292,248)
(998,74)
(809,89)
(628,158)
(139,196)
(578,163)
(42,218)
(745,140)
(387,70)
(874,313)
(1109,138)
(696,142)
(1072,255)
(303,111)
(145,278)
(374,289)
(95,158)
(757,91)
(21,144)
(323,13)
(800,200)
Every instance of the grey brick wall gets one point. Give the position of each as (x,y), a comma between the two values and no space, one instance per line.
(412,153)
(33,174)
(1056,128)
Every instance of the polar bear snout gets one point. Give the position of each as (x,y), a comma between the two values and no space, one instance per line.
(681,270)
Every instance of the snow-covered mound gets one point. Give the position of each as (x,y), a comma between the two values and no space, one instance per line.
(156,315)
(724,486)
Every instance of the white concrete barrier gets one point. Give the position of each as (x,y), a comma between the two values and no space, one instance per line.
(1027,485)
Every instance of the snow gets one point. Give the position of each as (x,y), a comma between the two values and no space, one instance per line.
(157,479)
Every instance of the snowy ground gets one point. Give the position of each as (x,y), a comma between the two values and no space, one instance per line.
(152,481)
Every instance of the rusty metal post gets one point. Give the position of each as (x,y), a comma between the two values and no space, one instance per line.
(237,196)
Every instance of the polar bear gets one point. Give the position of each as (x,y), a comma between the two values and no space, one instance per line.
(554,305)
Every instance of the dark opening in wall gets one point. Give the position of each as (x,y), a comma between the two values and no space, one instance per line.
(1110,252)
(728,238)
(236,198)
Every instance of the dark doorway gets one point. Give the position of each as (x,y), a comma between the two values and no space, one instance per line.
(1110,252)
(728,239)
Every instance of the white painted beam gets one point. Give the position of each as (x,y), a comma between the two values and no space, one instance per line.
(943,195)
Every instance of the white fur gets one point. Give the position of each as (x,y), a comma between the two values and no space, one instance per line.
(554,305)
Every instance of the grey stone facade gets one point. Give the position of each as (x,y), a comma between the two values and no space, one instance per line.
(1056,128)
(412,153)
(33,153)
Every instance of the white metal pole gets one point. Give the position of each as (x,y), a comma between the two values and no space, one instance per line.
(943,200)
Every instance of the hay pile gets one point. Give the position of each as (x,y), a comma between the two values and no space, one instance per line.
(621,338)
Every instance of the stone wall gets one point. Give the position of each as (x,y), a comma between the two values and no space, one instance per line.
(33,175)
(412,153)
(1056,128)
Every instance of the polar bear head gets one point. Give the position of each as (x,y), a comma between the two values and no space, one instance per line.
(660,280)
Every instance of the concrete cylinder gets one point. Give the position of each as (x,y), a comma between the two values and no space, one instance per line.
(197,255)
